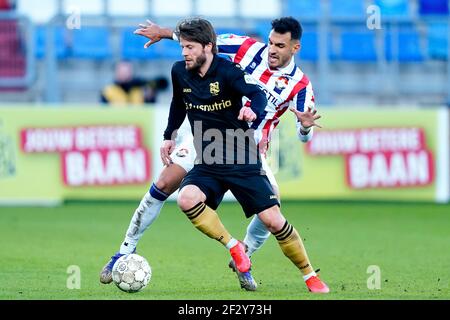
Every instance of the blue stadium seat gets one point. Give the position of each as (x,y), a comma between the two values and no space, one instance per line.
(394,8)
(347,8)
(169,50)
(438,46)
(91,43)
(262,29)
(132,46)
(357,47)
(310,47)
(303,8)
(59,42)
(434,7)
(409,49)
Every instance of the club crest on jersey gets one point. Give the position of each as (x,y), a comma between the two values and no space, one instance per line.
(214,88)
(182,153)
(281,83)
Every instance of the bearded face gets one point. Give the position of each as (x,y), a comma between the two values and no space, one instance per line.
(194,54)
(281,49)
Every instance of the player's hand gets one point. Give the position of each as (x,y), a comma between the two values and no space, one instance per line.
(166,150)
(247,114)
(307,118)
(153,32)
(263,146)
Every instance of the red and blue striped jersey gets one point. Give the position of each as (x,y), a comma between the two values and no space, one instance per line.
(284,88)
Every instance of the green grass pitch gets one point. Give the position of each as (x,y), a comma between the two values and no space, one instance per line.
(410,243)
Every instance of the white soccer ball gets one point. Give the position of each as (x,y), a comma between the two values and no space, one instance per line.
(131,273)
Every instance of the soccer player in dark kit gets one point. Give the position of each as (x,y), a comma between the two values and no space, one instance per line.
(210,91)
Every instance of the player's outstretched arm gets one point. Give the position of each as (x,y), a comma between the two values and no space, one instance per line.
(153,32)
(308,118)
(226,44)
(306,121)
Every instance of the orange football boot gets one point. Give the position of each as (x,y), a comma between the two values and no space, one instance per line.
(240,258)
(315,285)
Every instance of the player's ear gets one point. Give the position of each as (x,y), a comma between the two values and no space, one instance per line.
(297,47)
(209,47)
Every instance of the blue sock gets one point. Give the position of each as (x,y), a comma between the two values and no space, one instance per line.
(158,194)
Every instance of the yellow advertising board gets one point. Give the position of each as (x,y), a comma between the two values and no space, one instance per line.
(48,155)
(51,154)
(370,154)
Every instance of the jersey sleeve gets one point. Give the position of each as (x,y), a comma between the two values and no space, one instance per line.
(246,86)
(303,100)
(177,112)
(231,45)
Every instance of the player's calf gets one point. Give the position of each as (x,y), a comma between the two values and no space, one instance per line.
(208,222)
(170,178)
(292,246)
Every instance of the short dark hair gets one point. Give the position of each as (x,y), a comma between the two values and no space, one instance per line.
(288,24)
(197,30)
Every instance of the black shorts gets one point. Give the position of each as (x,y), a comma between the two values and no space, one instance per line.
(250,187)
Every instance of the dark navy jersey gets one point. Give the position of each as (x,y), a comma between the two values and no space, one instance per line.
(212,104)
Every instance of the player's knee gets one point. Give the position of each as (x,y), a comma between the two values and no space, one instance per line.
(274,226)
(273,219)
(185,202)
(188,199)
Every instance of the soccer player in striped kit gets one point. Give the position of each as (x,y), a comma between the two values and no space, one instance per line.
(273,68)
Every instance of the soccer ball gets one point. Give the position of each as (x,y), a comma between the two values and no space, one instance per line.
(131,273)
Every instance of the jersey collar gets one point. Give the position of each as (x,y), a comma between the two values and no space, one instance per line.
(288,70)
(212,67)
